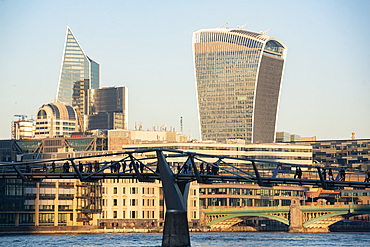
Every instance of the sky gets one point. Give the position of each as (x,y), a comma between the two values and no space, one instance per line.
(146,46)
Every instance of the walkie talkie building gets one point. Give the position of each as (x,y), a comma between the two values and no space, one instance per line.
(238,78)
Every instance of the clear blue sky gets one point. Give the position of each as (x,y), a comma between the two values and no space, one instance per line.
(146,46)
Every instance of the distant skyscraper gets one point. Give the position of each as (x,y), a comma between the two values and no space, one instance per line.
(238,76)
(77,69)
(107,108)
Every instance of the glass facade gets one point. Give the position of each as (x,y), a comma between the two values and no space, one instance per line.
(76,67)
(238,76)
(107,108)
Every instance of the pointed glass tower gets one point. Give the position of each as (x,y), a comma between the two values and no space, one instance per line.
(78,73)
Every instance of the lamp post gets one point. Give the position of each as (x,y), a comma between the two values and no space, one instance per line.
(337,197)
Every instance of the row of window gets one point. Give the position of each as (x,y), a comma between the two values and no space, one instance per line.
(146,214)
(132,190)
(133,202)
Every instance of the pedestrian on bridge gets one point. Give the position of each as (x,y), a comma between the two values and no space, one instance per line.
(80,167)
(297,172)
(342,175)
(141,167)
(66,167)
(201,168)
(44,168)
(96,166)
(118,167)
(89,167)
(324,173)
(208,169)
(367,176)
(330,173)
(53,167)
(124,166)
(111,167)
(130,167)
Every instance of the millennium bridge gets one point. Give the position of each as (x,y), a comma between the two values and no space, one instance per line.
(148,165)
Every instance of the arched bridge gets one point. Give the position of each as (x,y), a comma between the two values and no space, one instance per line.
(312,218)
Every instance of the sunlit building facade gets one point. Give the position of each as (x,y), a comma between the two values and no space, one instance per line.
(238,77)
(77,69)
(55,119)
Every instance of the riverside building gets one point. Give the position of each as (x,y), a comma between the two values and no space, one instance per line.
(125,202)
(238,78)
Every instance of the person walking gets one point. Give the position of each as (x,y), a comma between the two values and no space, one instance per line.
(124,166)
(44,167)
(80,167)
(367,176)
(201,168)
(330,173)
(53,167)
(324,173)
(141,167)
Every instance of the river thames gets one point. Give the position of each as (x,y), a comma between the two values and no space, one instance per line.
(197,239)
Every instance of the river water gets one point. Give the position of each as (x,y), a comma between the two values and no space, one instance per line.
(197,239)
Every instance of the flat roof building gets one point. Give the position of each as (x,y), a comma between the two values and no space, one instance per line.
(238,77)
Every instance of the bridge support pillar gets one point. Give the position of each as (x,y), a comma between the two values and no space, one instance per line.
(296,216)
(176,229)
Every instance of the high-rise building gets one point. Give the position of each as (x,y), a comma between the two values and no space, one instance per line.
(107,108)
(77,69)
(238,77)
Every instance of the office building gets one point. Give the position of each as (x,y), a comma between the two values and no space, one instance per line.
(55,119)
(341,153)
(23,129)
(107,108)
(78,72)
(238,77)
(287,137)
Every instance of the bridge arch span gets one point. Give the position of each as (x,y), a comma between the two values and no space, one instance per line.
(243,215)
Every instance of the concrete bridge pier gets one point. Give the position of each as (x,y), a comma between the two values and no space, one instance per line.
(176,229)
(296,216)
(296,220)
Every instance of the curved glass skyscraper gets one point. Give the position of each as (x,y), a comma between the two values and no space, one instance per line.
(77,74)
(238,77)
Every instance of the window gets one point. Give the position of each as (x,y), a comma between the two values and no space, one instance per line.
(133,202)
(194,214)
(114,202)
(133,214)
(115,214)
(124,202)
(123,214)
(115,190)
(123,190)
(134,190)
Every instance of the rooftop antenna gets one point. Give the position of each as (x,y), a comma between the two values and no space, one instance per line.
(264,33)
(224,25)
(241,27)
(181,124)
